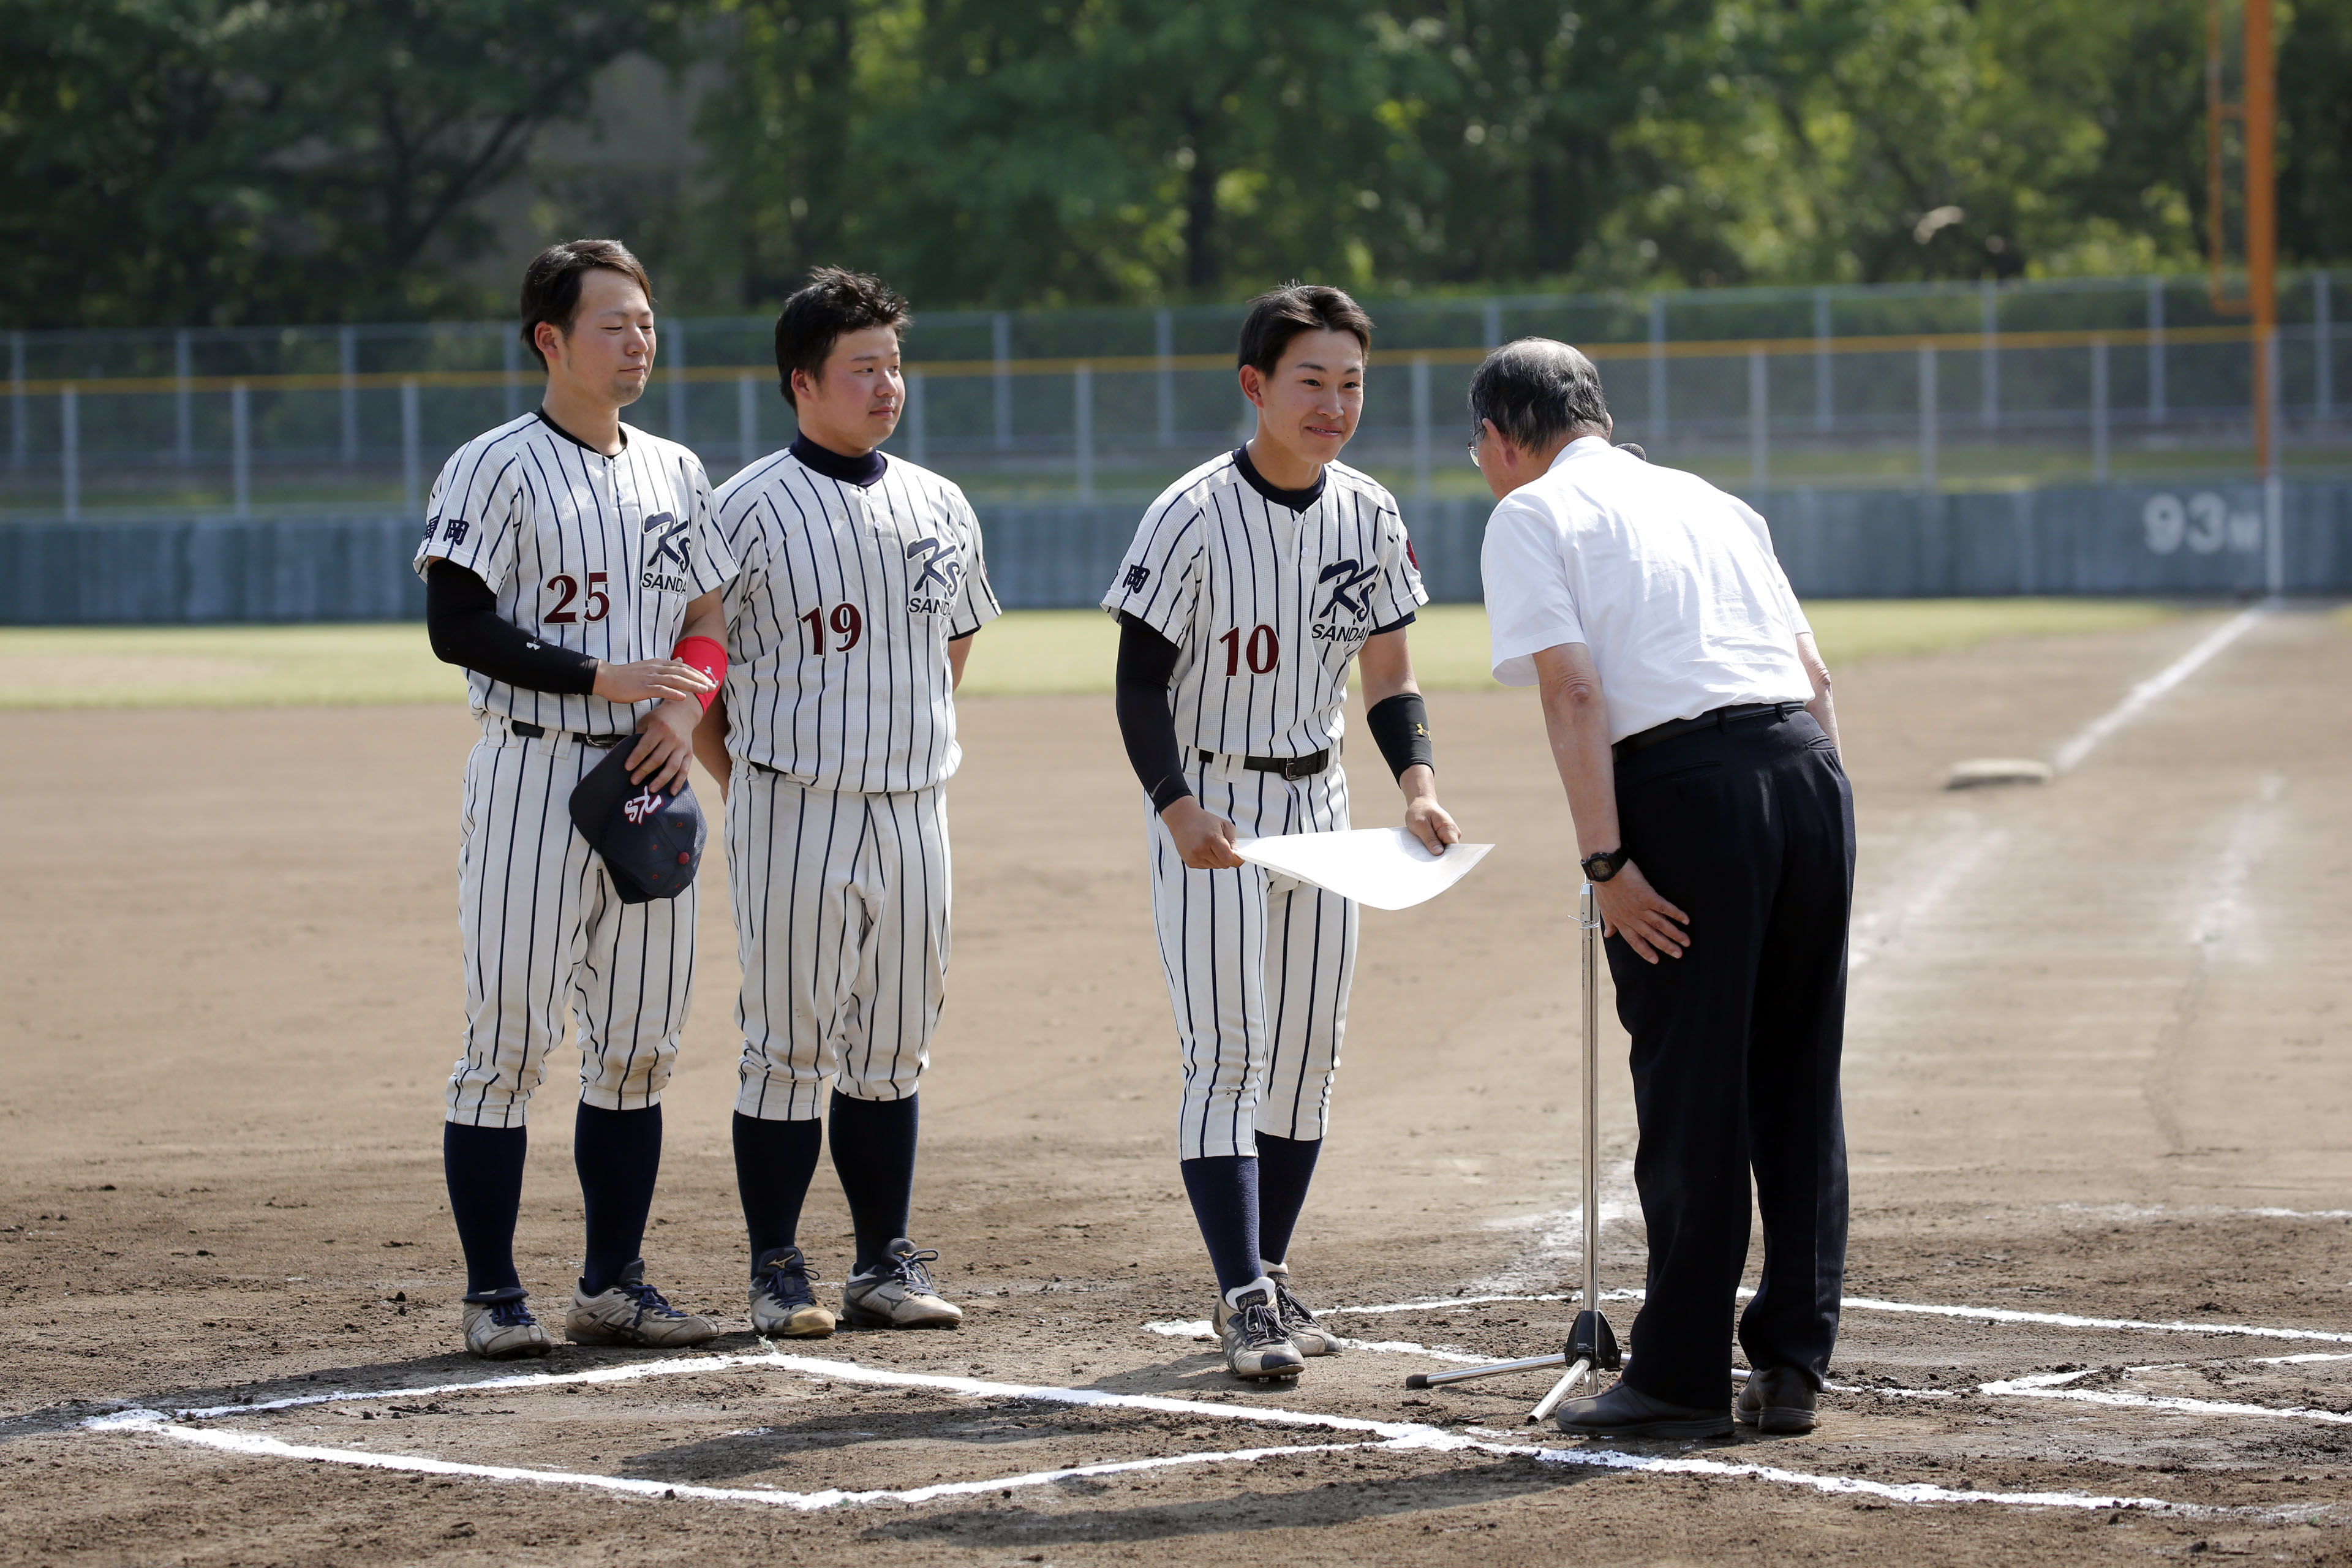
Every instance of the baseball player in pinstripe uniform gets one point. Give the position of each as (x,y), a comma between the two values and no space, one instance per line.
(1253,583)
(573,566)
(862,586)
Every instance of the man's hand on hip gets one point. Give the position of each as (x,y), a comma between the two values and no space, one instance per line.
(1632,909)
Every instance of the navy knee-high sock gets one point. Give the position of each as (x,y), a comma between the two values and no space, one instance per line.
(1224,1190)
(1285,1167)
(483,1166)
(773,1163)
(618,1154)
(873,1155)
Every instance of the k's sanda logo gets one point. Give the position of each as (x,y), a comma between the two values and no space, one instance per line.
(667,534)
(1345,578)
(941,565)
(644,806)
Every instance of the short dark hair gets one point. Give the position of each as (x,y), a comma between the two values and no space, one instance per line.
(1535,391)
(835,301)
(550,284)
(1280,315)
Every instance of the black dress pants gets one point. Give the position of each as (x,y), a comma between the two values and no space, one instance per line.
(1749,829)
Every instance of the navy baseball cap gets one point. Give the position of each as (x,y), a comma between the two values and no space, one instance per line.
(651,840)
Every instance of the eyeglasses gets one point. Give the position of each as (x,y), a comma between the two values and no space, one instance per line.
(1472,445)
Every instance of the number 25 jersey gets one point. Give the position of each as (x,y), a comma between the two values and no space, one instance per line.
(1267,594)
(585,552)
(837,629)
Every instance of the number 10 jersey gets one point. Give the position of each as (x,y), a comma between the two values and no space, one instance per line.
(585,552)
(1268,596)
(837,629)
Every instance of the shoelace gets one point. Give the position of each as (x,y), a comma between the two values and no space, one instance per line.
(648,1299)
(783,1275)
(510,1314)
(1259,1327)
(1291,1309)
(908,1269)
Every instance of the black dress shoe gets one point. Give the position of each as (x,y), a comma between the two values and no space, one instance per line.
(1626,1412)
(1777,1399)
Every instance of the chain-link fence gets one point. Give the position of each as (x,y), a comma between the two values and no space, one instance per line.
(1935,387)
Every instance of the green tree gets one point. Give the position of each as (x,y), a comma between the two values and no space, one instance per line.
(201,161)
(2315,81)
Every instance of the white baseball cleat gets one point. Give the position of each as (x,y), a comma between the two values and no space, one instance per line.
(782,1305)
(1249,1326)
(899,1293)
(499,1331)
(634,1313)
(1309,1337)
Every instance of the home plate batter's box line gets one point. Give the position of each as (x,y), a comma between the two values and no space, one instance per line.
(1871,1304)
(1387,1436)
(2046,1385)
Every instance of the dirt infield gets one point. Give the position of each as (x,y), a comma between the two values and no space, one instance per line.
(2099,1089)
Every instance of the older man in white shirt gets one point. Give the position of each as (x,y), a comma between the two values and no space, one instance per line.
(1689,716)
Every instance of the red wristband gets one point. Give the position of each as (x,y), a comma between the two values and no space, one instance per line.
(708,655)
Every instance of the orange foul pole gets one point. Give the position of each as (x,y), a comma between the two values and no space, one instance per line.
(2262,226)
(2256,114)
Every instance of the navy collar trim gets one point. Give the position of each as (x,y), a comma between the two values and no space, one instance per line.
(608,456)
(862,472)
(1296,500)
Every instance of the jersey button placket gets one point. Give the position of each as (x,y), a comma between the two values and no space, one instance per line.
(632,546)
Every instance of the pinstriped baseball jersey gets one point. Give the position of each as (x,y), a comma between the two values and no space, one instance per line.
(839,624)
(1267,595)
(586,552)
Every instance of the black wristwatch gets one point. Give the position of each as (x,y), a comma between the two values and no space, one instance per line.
(1608,863)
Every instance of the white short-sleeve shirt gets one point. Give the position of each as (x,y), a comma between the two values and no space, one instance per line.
(1671,583)
(838,624)
(1268,596)
(590,553)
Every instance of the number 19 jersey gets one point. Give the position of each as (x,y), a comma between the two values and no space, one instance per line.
(1267,594)
(595,553)
(837,629)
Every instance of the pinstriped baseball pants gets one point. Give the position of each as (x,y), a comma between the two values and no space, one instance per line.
(1258,967)
(542,927)
(841,920)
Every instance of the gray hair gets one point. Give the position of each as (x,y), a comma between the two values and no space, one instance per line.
(1537,390)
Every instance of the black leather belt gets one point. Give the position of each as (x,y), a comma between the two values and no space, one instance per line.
(1714,718)
(533,732)
(1292,768)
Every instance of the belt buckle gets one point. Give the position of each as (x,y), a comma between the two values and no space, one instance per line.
(1296,768)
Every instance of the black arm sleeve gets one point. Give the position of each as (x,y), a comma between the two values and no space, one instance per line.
(1400,725)
(1146,660)
(462,620)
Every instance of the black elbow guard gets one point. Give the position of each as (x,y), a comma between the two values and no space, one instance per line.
(1400,725)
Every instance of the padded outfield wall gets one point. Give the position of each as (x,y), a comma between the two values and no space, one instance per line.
(2197,540)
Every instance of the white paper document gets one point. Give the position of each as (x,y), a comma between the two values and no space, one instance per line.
(1384,867)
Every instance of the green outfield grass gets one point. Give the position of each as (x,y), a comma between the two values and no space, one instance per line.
(1029,652)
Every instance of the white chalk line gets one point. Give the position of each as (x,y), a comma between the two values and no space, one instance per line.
(1395,1436)
(2192,1211)
(1872,1304)
(2040,1386)
(257,1447)
(1880,932)
(2050,1385)
(2071,1321)
(2072,753)
(2222,906)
